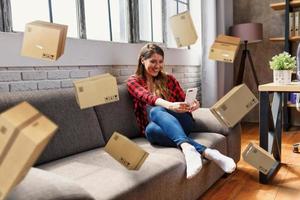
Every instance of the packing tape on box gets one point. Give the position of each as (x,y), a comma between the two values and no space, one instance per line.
(15,134)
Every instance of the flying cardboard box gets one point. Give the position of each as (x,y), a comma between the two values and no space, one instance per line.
(96,90)
(259,158)
(224,48)
(44,40)
(24,133)
(183,29)
(125,151)
(231,108)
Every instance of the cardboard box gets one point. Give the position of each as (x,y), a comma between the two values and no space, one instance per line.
(231,108)
(183,29)
(224,48)
(96,90)
(24,134)
(44,40)
(259,158)
(126,152)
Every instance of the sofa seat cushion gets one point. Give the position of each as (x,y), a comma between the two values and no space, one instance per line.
(42,185)
(162,176)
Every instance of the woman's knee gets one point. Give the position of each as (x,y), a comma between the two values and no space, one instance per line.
(155,135)
(151,131)
(154,111)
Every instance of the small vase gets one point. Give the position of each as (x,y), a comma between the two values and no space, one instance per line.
(282,77)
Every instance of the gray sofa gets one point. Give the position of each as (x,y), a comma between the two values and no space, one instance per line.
(74,165)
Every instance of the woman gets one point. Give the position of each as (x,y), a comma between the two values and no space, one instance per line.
(162,115)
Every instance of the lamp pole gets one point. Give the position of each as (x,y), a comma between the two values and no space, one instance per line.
(246,53)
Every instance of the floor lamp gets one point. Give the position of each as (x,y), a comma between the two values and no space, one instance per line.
(249,33)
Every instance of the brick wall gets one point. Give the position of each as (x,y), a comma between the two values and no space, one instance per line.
(44,78)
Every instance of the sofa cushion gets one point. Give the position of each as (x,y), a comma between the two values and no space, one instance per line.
(74,125)
(118,116)
(162,176)
(42,185)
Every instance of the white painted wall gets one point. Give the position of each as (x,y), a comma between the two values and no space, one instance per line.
(88,52)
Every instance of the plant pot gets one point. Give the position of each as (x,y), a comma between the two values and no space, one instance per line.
(282,77)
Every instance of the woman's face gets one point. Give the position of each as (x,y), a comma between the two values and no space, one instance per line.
(154,64)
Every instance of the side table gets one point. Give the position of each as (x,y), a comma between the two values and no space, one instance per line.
(270,121)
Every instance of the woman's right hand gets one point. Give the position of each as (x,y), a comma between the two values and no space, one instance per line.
(179,107)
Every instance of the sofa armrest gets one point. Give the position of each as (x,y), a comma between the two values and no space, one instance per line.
(39,184)
(205,121)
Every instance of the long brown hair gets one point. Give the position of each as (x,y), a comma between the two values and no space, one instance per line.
(160,81)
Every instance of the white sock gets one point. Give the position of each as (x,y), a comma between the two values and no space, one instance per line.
(193,160)
(227,164)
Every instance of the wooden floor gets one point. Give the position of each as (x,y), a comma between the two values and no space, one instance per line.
(243,183)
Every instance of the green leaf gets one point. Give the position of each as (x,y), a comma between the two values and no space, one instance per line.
(283,61)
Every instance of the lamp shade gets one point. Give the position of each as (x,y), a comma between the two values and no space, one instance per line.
(250,32)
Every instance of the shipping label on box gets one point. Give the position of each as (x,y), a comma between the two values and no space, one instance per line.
(44,40)
(30,132)
(126,152)
(231,108)
(183,29)
(259,158)
(224,48)
(96,90)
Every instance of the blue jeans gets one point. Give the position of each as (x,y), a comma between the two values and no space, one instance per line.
(168,128)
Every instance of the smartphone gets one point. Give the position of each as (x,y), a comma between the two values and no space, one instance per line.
(190,95)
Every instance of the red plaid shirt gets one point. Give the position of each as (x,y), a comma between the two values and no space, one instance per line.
(138,89)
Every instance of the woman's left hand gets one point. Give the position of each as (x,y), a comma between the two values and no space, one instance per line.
(194,106)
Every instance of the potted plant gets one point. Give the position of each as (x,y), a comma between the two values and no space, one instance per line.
(282,64)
